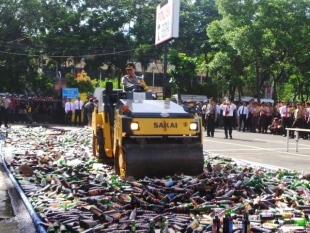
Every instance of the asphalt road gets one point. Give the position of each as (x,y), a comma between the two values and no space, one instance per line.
(266,149)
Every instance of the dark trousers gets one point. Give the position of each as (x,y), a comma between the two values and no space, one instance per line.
(5,115)
(69,117)
(210,125)
(298,123)
(78,114)
(249,122)
(204,122)
(228,123)
(254,123)
(29,117)
(286,123)
(263,123)
(242,119)
(306,126)
(63,116)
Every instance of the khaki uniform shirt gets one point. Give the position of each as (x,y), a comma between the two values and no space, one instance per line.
(211,110)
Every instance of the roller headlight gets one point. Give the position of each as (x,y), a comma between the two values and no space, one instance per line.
(134,126)
(193,126)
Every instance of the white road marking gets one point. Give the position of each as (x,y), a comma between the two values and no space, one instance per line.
(247,149)
(259,148)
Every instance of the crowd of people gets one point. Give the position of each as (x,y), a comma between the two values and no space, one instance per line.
(40,109)
(254,117)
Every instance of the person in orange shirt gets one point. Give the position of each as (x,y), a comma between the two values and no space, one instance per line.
(299,115)
(262,126)
(255,115)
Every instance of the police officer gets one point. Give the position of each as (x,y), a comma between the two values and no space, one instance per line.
(211,117)
(131,82)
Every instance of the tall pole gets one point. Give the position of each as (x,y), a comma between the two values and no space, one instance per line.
(167,90)
(153,67)
(165,63)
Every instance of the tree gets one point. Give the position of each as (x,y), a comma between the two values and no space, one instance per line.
(183,72)
(266,33)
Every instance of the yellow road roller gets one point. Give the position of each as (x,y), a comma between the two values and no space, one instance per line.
(142,136)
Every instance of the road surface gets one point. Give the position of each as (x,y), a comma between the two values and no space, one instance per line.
(265,149)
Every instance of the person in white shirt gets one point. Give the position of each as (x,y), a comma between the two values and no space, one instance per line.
(78,105)
(69,109)
(228,111)
(5,103)
(286,118)
(4,113)
(243,115)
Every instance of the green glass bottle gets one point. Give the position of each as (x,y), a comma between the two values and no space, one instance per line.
(164,225)
(151,226)
(133,226)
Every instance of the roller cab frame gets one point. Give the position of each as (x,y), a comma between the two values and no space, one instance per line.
(142,137)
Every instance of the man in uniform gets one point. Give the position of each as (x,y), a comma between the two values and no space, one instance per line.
(254,114)
(203,117)
(299,115)
(132,82)
(249,120)
(211,118)
(286,118)
(29,109)
(276,126)
(262,120)
(307,121)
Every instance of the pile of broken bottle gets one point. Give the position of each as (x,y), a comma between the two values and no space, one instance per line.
(70,192)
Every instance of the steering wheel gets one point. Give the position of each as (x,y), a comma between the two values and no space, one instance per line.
(138,88)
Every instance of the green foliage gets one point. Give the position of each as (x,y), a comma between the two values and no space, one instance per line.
(81,81)
(102,83)
(238,45)
(183,72)
(286,92)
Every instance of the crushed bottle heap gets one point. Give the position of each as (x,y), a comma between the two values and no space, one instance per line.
(71,192)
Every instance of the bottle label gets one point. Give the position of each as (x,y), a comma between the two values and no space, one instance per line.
(266,215)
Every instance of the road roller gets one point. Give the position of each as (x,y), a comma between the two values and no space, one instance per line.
(143,136)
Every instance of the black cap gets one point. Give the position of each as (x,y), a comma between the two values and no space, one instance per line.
(130,66)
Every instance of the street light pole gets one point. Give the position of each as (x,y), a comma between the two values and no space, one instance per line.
(153,67)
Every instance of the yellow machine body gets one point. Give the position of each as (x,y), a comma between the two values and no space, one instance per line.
(145,137)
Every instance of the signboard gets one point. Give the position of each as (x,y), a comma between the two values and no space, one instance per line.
(167,21)
(268,93)
(72,93)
